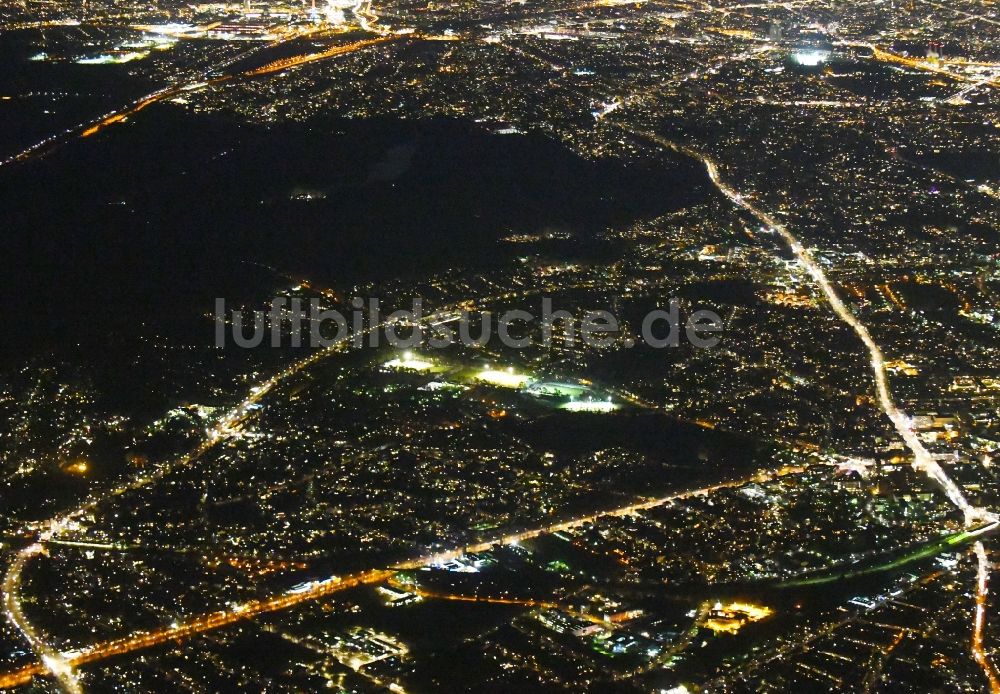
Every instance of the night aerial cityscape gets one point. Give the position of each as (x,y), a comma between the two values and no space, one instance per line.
(500,346)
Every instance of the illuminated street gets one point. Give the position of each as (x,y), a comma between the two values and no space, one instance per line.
(389,346)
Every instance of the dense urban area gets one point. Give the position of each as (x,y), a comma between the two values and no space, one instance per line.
(808,504)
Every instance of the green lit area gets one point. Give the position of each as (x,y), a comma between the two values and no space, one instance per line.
(923,551)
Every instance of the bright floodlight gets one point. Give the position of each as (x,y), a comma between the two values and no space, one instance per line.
(409,363)
(590,406)
(504,379)
(811,58)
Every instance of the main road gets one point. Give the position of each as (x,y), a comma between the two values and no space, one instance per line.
(122,114)
(923,461)
(54,661)
(62,664)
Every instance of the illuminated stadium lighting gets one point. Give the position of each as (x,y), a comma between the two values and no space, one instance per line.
(811,58)
(590,406)
(504,379)
(409,363)
(113,58)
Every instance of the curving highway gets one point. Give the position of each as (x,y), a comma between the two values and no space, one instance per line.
(52,661)
(923,461)
(319,589)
